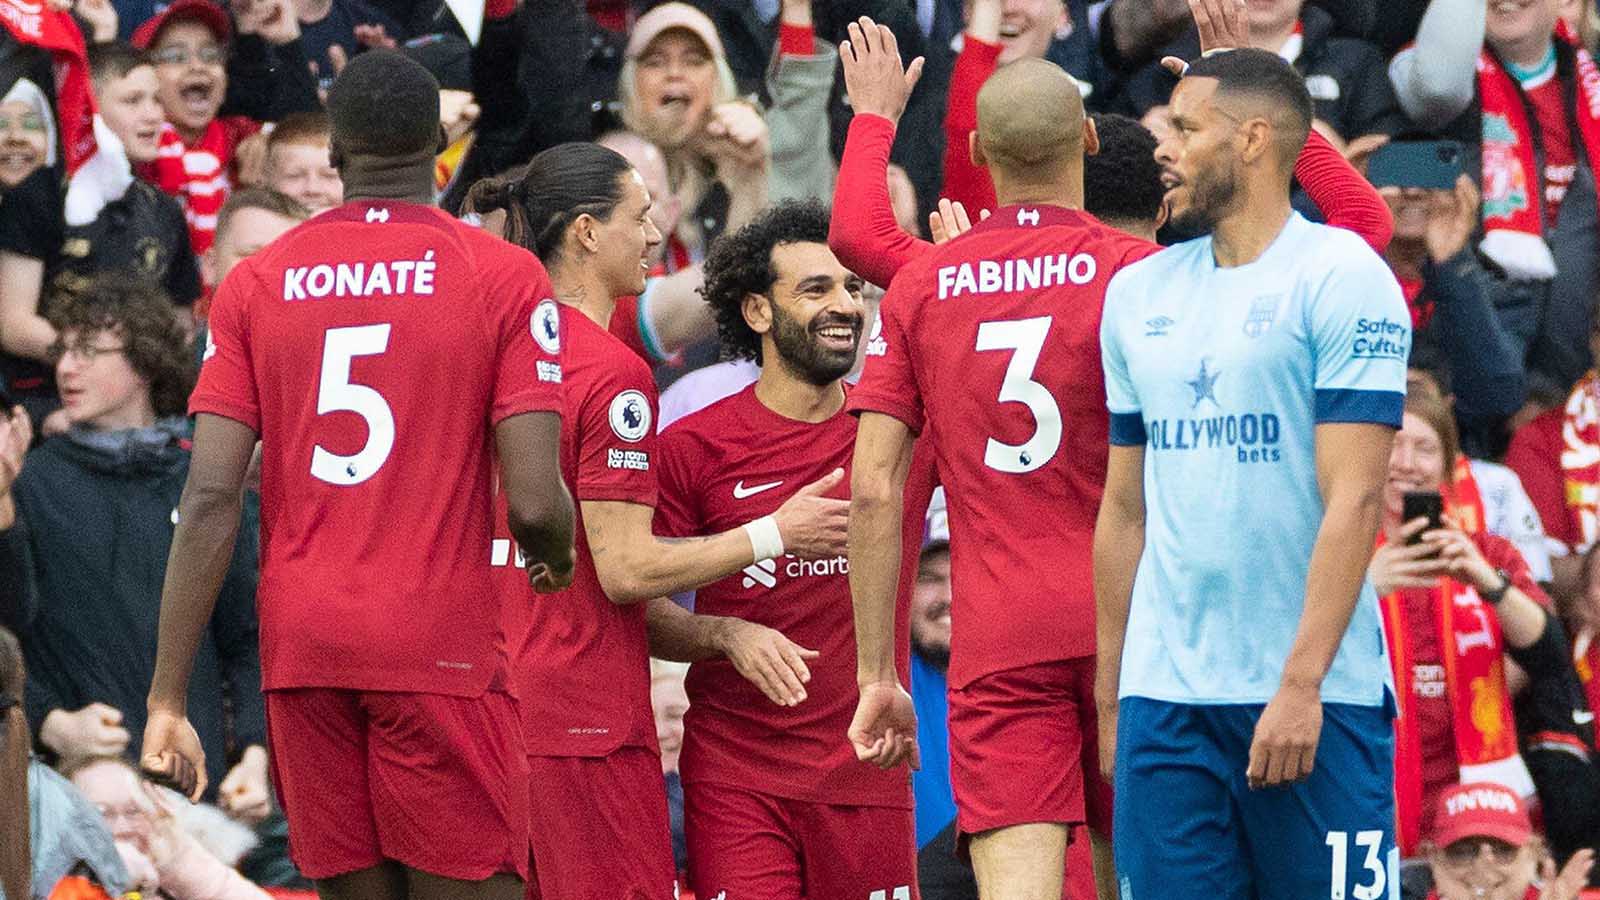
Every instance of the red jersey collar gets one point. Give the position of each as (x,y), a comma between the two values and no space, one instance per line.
(1034,216)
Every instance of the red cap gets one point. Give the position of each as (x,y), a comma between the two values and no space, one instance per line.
(205,12)
(1481,810)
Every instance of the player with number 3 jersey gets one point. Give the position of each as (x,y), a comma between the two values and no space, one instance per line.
(377,350)
(990,342)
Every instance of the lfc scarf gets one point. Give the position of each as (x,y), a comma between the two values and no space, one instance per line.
(1475,683)
(1513,186)
(1580,458)
(197,174)
(1463,499)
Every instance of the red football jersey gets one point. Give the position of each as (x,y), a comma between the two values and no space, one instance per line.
(583,671)
(721,467)
(993,339)
(372,348)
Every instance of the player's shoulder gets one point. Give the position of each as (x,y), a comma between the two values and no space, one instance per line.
(594,352)
(1158,267)
(1328,248)
(715,420)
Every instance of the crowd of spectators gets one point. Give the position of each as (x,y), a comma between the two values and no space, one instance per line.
(210,140)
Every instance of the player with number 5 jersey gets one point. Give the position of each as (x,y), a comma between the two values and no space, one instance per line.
(990,343)
(382,351)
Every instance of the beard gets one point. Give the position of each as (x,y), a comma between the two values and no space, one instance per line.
(799,351)
(935,655)
(1210,194)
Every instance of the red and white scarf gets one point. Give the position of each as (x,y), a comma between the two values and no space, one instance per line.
(1513,186)
(1475,682)
(197,175)
(1580,458)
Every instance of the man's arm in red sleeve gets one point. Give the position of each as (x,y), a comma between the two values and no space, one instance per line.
(1343,195)
(864,233)
(964,181)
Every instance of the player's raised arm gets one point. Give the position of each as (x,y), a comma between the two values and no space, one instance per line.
(1352,464)
(540,506)
(202,549)
(885,726)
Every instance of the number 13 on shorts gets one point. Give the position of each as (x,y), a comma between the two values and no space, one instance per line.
(903,892)
(1360,854)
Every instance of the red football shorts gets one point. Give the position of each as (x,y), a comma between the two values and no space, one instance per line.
(747,845)
(1024,748)
(434,782)
(599,828)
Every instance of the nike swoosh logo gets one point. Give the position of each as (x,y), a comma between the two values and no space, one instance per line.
(1581,717)
(740,491)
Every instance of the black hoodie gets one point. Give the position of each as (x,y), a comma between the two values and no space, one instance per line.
(100,509)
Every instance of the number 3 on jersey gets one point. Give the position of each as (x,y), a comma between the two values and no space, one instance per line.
(337,393)
(1026,338)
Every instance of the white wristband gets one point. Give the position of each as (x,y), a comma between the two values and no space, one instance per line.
(765,539)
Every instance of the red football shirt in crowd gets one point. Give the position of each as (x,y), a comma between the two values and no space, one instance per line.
(1535,455)
(728,464)
(371,348)
(583,671)
(993,340)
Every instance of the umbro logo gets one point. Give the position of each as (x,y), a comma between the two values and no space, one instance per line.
(1027,217)
(740,492)
(377,214)
(764,573)
(1582,717)
(1158,326)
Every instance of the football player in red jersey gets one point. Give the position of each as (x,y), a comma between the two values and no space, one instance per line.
(381,350)
(600,831)
(775,804)
(991,341)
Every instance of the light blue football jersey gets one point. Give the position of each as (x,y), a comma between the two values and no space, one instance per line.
(1223,375)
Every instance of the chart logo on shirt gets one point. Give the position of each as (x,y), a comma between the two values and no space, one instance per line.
(546,326)
(630,416)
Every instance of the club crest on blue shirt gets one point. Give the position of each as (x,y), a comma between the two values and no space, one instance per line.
(1263,312)
(630,416)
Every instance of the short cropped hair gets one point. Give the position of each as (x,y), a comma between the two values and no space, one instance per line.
(740,264)
(141,314)
(1122,182)
(301,128)
(259,198)
(384,104)
(1265,76)
(108,62)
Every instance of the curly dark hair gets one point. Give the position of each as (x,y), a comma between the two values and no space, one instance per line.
(1122,182)
(140,313)
(740,264)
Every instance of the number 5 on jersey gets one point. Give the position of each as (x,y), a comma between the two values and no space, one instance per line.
(337,393)
(1026,338)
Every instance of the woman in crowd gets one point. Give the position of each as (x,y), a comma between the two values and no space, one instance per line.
(677,91)
(1453,604)
(1482,847)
